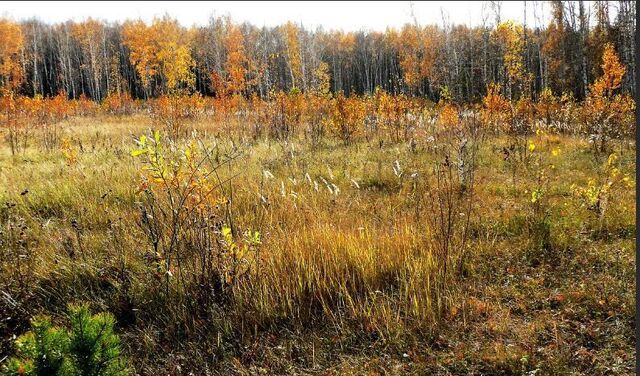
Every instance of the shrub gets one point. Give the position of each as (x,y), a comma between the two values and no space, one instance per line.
(185,214)
(347,116)
(595,196)
(118,104)
(607,115)
(173,112)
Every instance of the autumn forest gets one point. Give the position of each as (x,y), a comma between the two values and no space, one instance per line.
(96,59)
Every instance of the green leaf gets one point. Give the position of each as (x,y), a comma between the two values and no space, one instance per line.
(138,152)
(142,141)
(256,238)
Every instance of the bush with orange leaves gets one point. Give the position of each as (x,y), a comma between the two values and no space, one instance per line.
(285,112)
(514,119)
(227,108)
(17,133)
(236,105)
(375,108)
(32,112)
(56,110)
(605,114)
(118,104)
(459,137)
(347,116)
(84,106)
(547,107)
(317,111)
(295,108)
(172,112)
(391,112)
(496,109)
(24,116)
(276,110)
(523,117)
(448,116)
(258,115)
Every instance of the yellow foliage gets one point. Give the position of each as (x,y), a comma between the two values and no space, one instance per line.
(509,35)
(163,48)
(139,38)
(69,152)
(293,52)
(347,116)
(595,195)
(322,80)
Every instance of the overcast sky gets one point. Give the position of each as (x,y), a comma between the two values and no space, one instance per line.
(348,16)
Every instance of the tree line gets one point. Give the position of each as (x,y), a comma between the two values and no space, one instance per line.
(95,59)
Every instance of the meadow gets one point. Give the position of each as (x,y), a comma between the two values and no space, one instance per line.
(326,234)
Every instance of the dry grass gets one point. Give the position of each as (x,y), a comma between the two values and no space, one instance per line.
(348,280)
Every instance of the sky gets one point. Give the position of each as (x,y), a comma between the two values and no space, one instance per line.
(344,15)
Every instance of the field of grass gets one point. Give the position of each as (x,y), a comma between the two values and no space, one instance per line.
(364,258)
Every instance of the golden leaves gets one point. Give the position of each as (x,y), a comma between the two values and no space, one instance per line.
(69,152)
(11,42)
(509,35)
(612,73)
(417,51)
(163,48)
(293,52)
(322,80)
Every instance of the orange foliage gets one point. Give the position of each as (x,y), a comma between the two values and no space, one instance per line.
(496,109)
(285,112)
(172,112)
(605,114)
(612,73)
(417,51)
(143,51)
(547,106)
(347,116)
(391,112)
(11,42)
(118,104)
(236,64)
(449,117)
